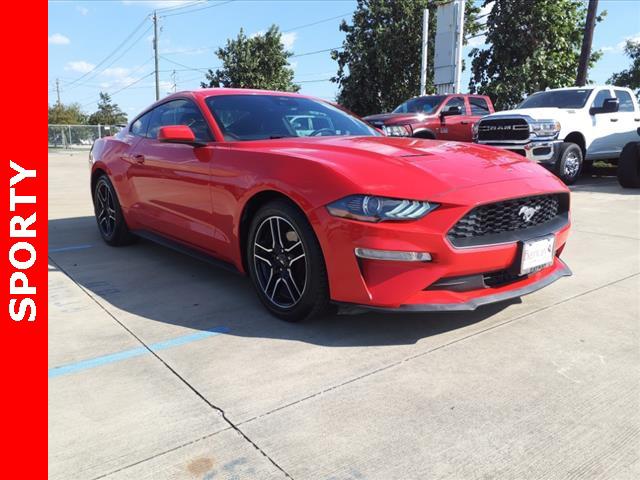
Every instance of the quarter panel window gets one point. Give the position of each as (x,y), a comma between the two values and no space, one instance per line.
(140,126)
(626,104)
(479,106)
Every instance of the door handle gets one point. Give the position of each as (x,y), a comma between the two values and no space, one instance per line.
(613,119)
(139,158)
(636,119)
(464,122)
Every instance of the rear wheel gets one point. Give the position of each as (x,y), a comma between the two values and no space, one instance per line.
(569,163)
(629,166)
(111,223)
(286,264)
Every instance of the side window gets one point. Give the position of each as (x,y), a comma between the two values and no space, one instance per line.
(456,102)
(600,98)
(626,104)
(139,127)
(479,106)
(180,112)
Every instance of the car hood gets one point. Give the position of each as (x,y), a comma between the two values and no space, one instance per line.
(396,118)
(408,167)
(537,113)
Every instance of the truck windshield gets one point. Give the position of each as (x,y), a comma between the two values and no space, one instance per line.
(420,104)
(558,99)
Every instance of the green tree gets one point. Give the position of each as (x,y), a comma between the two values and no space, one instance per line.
(379,64)
(259,61)
(108,113)
(630,77)
(60,114)
(532,46)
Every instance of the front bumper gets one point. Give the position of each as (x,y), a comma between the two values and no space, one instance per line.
(540,151)
(409,286)
(556,271)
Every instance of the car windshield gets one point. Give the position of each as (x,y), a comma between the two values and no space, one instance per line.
(420,105)
(260,117)
(558,99)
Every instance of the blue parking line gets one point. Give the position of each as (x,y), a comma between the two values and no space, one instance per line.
(69,248)
(134,352)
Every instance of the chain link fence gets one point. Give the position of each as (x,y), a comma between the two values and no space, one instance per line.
(79,136)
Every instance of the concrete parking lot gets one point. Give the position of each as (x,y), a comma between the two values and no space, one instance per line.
(162,367)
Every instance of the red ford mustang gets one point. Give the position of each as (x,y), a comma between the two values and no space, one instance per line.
(318,207)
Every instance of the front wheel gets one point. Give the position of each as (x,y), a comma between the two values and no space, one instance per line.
(285,263)
(569,163)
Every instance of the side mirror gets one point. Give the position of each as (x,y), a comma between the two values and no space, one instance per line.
(610,105)
(178,134)
(449,111)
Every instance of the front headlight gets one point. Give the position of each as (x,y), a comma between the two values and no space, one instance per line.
(545,128)
(396,130)
(368,208)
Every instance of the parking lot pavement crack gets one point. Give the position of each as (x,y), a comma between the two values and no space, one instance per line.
(439,347)
(172,370)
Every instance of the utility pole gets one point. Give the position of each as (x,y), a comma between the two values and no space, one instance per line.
(174,82)
(587,40)
(155,52)
(425,44)
(58,90)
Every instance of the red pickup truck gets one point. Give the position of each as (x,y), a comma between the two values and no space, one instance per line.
(445,117)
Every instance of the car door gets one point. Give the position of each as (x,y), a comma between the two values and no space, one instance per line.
(453,127)
(628,120)
(478,108)
(172,180)
(603,127)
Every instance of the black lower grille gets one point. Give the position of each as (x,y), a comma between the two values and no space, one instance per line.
(476,282)
(507,220)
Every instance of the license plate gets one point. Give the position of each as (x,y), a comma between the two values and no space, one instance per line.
(537,254)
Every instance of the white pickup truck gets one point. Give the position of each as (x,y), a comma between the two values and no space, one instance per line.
(565,128)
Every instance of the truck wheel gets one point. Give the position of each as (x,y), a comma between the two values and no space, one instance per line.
(569,163)
(629,166)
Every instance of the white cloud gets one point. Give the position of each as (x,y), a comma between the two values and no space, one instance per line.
(83,10)
(619,47)
(79,66)
(59,39)
(288,39)
(117,72)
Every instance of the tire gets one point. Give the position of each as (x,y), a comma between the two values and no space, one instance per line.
(569,164)
(285,263)
(111,224)
(629,166)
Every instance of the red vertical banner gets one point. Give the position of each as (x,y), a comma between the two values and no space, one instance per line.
(23,325)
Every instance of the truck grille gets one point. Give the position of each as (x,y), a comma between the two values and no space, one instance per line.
(503,129)
(506,221)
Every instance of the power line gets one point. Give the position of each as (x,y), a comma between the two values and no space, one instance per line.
(129,85)
(104,69)
(300,27)
(204,70)
(115,50)
(197,9)
(317,51)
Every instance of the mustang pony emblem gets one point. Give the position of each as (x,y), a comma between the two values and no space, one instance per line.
(527,213)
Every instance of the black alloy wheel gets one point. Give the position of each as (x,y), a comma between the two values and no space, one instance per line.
(285,263)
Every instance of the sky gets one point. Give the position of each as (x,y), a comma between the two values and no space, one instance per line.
(84,38)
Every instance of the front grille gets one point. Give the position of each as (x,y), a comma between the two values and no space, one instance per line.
(476,282)
(510,220)
(503,129)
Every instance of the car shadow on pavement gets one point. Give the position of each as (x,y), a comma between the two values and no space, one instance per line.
(156,284)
